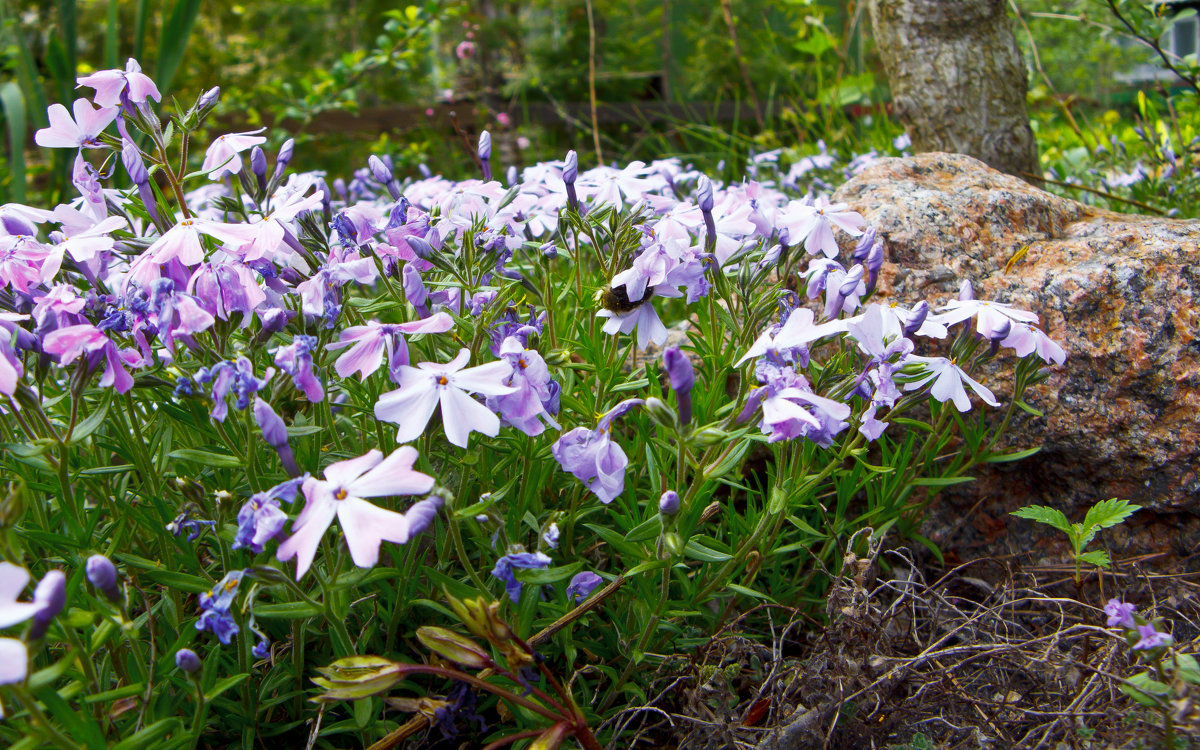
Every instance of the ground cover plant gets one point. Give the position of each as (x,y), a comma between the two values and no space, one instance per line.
(301,459)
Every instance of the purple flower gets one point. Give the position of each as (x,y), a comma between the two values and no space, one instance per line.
(1120,613)
(114,86)
(668,504)
(236,377)
(507,564)
(423,387)
(582,585)
(260,520)
(81,132)
(526,407)
(1151,638)
(193,526)
(215,605)
(296,360)
(102,574)
(226,288)
(13,580)
(948,379)
(222,157)
(593,457)
(49,598)
(813,225)
(340,495)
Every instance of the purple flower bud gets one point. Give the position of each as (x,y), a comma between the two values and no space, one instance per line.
(753,401)
(485,146)
(420,246)
(379,170)
(874,264)
(132,159)
(258,164)
(966,291)
(208,99)
(102,574)
(682,378)
(704,193)
(863,247)
(414,287)
(285,155)
(549,251)
(186,660)
(916,318)
(274,431)
(668,504)
(49,598)
(848,287)
(424,170)
(511,175)
(582,586)
(570,168)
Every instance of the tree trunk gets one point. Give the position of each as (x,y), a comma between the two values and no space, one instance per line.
(957,78)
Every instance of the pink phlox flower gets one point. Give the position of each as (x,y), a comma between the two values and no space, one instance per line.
(223,156)
(593,457)
(818,161)
(642,319)
(1120,613)
(610,186)
(86,245)
(1151,638)
(791,409)
(296,359)
(113,85)
(1025,339)
(813,225)
(225,288)
(86,180)
(879,334)
(18,219)
(789,342)
(468,202)
(948,379)
(81,132)
(423,387)
(176,313)
(58,306)
(527,408)
(649,269)
(72,341)
(369,342)
(341,495)
(24,261)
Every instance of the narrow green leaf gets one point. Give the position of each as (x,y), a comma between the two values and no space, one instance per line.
(286,611)
(174,40)
(111,695)
(90,424)
(539,576)
(645,530)
(225,684)
(151,735)
(13,104)
(215,460)
(941,481)
(698,551)
(1008,457)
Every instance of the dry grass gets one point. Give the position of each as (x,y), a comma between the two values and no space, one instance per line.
(985,655)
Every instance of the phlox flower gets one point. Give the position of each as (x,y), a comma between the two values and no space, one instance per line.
(13,580)
(369,342)
(81,132)
(1151,638)
(236,377)
(506,565)
(340,495)
(948,379)
(260,520)
(113,85)
(227,288)
(423,387)
(606,185)
(1024,339)
(592,456)
(14,663)
(222,157)
(1120,613)
(72,341)
(11,368)
(526,406)
(789,342)
(215,605)
(296,360)
(790,409)
(582,585)
(813,225)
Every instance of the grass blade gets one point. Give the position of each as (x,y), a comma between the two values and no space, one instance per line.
(174,40)
(13,105)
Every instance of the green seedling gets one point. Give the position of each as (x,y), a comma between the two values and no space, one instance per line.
(1104,514)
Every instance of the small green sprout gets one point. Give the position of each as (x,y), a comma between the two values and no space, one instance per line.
(1104,514)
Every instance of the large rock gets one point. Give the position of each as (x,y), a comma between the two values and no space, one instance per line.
(1119,292)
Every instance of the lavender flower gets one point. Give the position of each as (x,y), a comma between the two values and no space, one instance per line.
(215,605)
(1120,613)
(187,661)
(49,598)
(582,585)
(668,504)
(260,519)
(1151,638)
(102,574)
(593,457)
(520,560)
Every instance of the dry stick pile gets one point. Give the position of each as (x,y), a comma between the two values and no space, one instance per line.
(962,661)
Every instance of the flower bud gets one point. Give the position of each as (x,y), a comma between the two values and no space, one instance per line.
(102,574)
(379,170)
(131,157)
(709,436)
(420,516)
(420,246)
(454,647)
(863,247)
(660,413)
(187,661)
(258,164)
(49,597)
(668,504)
(485,154)
(966,291)
(704,193)
(570,168)
(673,543)
(557,357)
(874,264)
(285,155)
(679,369)
(208,100)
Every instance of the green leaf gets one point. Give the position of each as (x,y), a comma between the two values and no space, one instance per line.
(1045,514)
(645,530)
(116,694)
(1029,409)
(89,425)
(1145,690)
(1187,669)
(171,46)
(1096,557)
(150,736)
(1004,458)
(286,611)
(1108,513)
(225,684)
(540,576)
(744,591)
(13,105)
(698,551)
(941,481)
(215,460)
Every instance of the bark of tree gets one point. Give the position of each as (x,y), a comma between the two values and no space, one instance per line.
(957,78)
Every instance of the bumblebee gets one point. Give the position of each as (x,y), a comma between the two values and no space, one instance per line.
(617,300)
